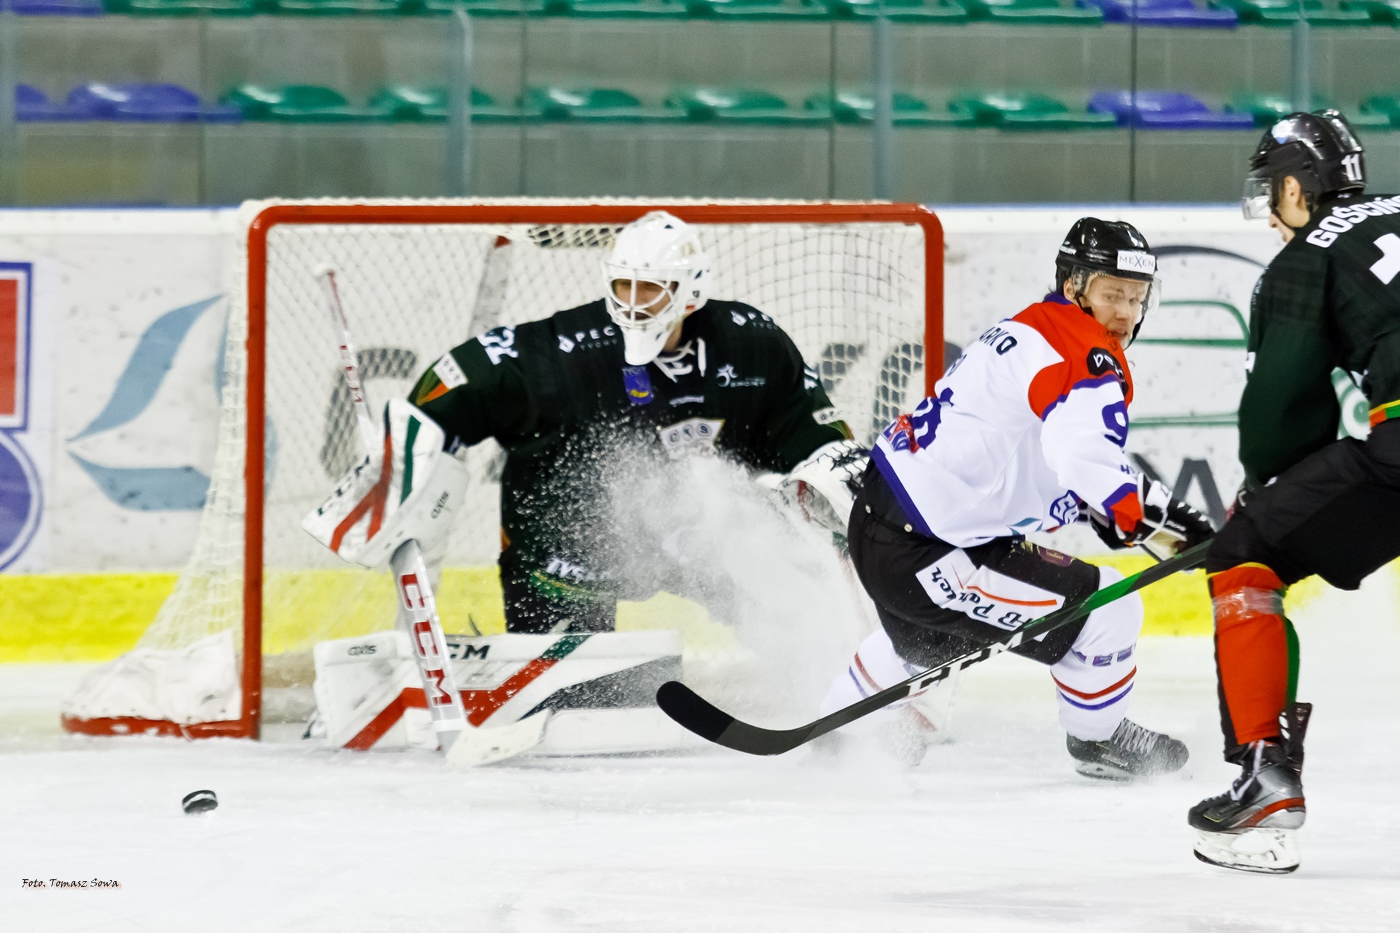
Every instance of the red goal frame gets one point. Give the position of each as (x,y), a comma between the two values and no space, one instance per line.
(248,725)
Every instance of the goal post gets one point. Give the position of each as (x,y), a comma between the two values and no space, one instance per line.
(859,286)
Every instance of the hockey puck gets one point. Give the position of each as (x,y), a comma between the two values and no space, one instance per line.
(201,801)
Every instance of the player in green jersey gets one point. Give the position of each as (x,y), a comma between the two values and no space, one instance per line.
(621,389)
(1311,504)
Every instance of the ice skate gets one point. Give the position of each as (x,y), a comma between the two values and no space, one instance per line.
(1251,827)
(1131,752)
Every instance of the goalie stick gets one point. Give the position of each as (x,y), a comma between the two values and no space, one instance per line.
(417,608)
(708,721)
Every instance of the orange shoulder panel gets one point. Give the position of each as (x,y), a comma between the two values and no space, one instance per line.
(1089,353)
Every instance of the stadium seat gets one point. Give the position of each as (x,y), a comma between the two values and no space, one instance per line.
(649,9)
(1027,112)
(1285,12)
(339,7)
(904,11)
(1269,108)
(556,103)
(33,106)
(148,103)
(1035,12)
(484,7)
(1171,13)
(417,105)
(745,105)
(53,7)
(1380,11)
(192,7)
(1381,105)
(1167,110)
(859,108)
(299,103)
(760,9)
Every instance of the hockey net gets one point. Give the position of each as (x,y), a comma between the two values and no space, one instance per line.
(857,286)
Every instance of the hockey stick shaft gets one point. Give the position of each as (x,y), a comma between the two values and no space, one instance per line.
(418,616)
(417,605)
(708,721)
(349,359)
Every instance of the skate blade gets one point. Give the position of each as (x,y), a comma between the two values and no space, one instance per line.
(1270,851)
(1100,771)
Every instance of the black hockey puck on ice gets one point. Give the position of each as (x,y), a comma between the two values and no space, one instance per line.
(201,801)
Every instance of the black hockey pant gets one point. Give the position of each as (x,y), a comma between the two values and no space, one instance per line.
(888,558)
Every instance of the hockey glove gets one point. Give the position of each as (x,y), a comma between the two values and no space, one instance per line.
(823,487)
(1167,523)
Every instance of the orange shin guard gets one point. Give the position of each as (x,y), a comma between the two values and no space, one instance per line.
(1256,652)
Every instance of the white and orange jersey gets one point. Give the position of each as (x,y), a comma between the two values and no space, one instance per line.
(1027,426)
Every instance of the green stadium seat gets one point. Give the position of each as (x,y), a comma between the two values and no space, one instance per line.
(854,107)
(185,7)
(417,105)
(556,103)
(1035,12)
(904,11)
(1379,106)
(744,105)
(298,103)
(1285,13)
(1015,111)
(647,9)
(484,7)
(1380,11)
(760,9)
(1269,108)
(339,7)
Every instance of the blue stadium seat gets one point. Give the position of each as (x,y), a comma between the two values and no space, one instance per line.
(53,7)
(149,103)
(1174,13)
(1166,110)
(33,106)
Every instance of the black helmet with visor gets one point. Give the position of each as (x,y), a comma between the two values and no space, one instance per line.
(1318,149)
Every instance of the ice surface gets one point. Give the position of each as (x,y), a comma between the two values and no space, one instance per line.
(993,832)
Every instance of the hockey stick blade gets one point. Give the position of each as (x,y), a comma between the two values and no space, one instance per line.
(708,721)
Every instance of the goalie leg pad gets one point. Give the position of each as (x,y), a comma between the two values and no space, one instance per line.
(598,690)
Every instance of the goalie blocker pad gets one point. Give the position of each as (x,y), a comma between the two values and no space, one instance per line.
(600,689)
(410,488)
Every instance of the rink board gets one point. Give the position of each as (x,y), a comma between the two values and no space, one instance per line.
(124,356)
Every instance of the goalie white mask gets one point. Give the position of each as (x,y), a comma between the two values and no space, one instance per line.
(655,275)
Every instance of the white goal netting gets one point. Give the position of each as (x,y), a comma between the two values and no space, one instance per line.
(851,294)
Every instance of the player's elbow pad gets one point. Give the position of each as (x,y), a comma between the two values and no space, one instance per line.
(409,488)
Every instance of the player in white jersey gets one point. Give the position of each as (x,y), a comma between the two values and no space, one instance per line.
(1025,433)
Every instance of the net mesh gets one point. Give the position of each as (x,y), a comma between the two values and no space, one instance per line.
(851,295)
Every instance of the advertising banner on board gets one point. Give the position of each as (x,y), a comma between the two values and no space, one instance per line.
(111,328)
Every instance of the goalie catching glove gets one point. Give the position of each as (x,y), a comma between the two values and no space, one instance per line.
(1166,522)
(410,488)
(823,487)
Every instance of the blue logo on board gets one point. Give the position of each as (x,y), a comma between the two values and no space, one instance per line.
(21,497)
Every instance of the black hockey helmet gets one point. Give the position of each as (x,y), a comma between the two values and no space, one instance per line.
(1105,247)
(1319,149)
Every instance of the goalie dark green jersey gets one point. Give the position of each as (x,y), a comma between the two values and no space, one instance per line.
(1329,300)
(575,420)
